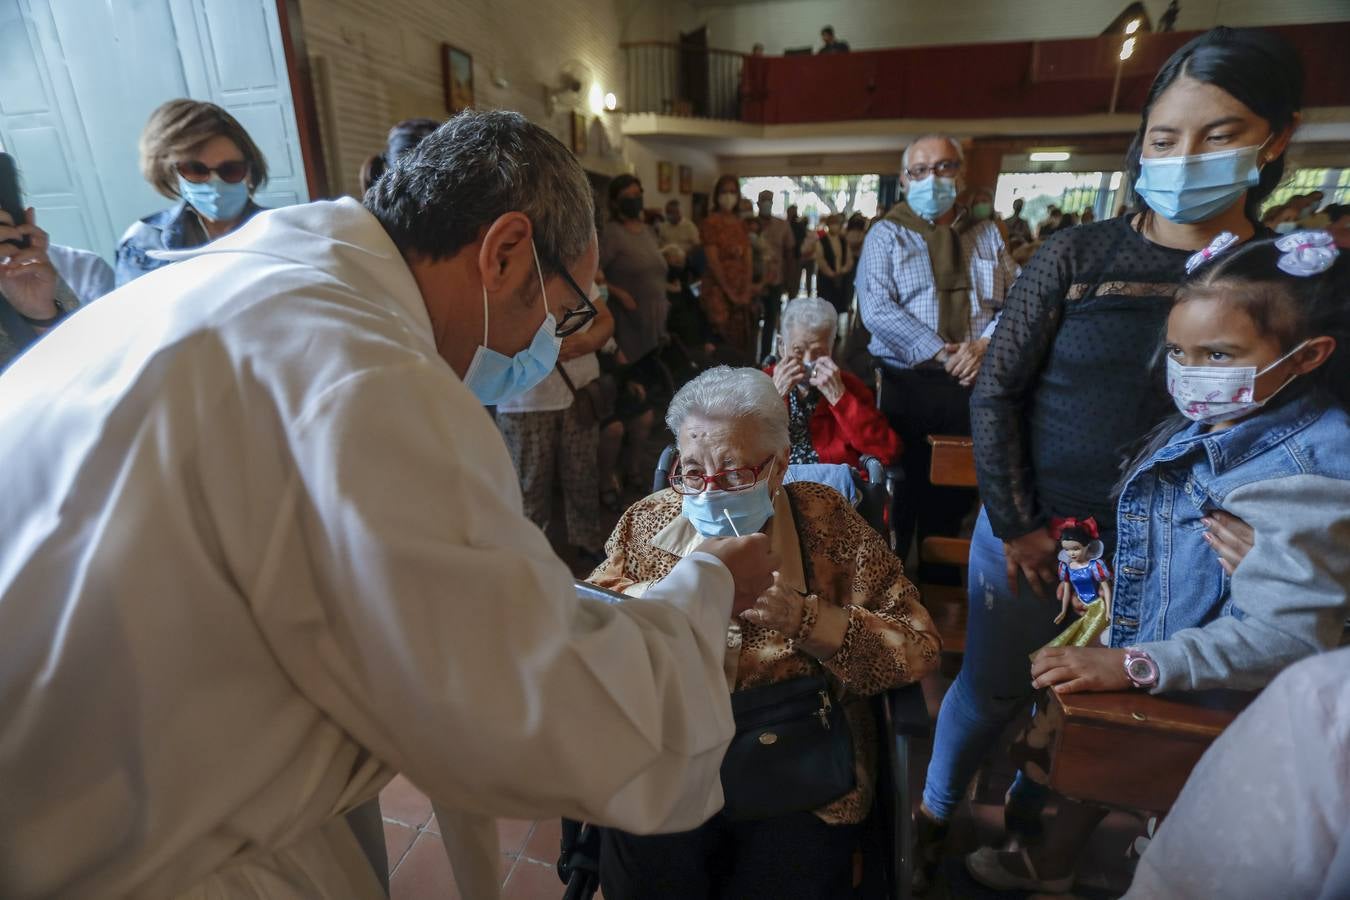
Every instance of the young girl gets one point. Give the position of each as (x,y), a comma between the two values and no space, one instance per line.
(1257,346)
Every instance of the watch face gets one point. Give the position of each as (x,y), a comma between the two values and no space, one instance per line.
(1141,671)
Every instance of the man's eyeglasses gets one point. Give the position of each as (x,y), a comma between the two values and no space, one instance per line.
(946,168)
(231,172)
(739,479)
(576,318)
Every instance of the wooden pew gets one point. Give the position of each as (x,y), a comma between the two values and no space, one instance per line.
(1132,750)
(953,465)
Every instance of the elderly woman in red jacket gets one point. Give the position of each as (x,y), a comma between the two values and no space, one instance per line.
(832,415)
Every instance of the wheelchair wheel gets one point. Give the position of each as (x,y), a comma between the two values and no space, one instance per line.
(582,886)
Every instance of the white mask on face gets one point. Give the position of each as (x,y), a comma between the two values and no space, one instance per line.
(1210,394)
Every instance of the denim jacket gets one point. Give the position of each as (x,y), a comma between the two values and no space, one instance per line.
(175,228)
(1286,471)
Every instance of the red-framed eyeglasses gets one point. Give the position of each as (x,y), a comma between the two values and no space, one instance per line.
(741,478)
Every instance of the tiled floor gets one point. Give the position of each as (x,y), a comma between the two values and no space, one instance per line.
(418,866)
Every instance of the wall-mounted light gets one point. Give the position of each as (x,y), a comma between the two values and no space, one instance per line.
(611,102)
(1133,26)
(1049,156)
(596,99)
(1127,49)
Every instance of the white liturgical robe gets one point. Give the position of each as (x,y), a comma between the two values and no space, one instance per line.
(260,549)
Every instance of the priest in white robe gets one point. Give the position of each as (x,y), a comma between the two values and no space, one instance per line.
(263,548)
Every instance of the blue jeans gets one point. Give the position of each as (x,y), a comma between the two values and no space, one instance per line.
(1002,631)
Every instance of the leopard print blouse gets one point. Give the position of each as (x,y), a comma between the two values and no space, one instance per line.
(890,639)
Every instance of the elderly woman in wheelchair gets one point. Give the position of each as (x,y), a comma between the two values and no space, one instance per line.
(840,624)
(832,414)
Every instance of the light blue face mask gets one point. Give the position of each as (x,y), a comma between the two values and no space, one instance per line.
(494,377)
(217,200)
(1286,227)
(931,197)
(1187,189)
(748,509)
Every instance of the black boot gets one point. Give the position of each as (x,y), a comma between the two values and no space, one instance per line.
(930,839)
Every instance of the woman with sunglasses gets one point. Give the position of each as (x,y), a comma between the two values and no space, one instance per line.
(841,609)
(199,155)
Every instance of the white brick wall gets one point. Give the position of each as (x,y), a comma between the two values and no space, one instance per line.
(382,61)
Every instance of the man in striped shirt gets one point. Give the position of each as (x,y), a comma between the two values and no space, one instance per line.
(930,283)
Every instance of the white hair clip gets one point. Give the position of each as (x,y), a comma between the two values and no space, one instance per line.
(1306,252)
(1222,241)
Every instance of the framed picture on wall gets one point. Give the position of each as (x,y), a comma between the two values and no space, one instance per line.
(457,74)
(578,134)
(686,179)
(665,177)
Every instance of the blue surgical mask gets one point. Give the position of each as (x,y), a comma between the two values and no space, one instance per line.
(931,197)
(217,200)
(1187,189)
(494,377)
(1286,227)
(748,509)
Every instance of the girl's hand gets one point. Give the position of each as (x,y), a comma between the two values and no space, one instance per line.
(1069,670)
(1230,537)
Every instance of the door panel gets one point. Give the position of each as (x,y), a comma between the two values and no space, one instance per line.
(82,78)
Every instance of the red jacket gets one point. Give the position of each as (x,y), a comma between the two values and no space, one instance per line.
(844,432)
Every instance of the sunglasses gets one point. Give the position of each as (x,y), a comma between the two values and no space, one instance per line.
(231,172)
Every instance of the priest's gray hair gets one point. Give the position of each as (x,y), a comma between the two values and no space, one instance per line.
(745,397)
(810,314)
(438,197)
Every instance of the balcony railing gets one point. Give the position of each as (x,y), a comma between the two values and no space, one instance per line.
(683,80)
(972,81)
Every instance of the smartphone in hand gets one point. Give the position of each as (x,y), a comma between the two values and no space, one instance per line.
(11,200)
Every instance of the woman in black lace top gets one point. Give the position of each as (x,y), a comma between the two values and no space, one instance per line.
(1067,385)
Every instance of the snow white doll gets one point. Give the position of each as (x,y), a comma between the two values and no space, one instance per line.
(1085,582)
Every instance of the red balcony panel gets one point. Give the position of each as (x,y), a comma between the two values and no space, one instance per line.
(1023,79)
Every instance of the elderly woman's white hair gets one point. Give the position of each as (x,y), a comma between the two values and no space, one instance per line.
(724,394)
(810,314)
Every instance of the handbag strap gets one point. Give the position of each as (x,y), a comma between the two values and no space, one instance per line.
(567,381)
(809,574)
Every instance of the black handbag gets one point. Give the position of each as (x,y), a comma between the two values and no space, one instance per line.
(793,749)
(596,401)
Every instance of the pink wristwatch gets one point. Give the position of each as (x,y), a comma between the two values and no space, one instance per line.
(1140,668)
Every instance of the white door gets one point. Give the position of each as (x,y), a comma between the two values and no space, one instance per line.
(79,78)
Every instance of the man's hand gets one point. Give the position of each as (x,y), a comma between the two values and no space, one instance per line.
(1033,556)
(1229,537)
(964,362)
(788,374)
(778,608)
(1072,669)
(27,278)
(828,380)
(751,563)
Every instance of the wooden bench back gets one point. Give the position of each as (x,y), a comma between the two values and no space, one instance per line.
(953,462)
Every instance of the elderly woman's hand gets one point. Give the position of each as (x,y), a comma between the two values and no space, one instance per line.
(778,608)
(27,277)
(1230,537)
(788,374)
(828,380)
